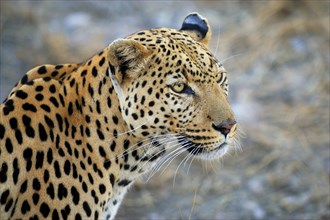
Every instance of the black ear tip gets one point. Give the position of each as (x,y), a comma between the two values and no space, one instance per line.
(195,22)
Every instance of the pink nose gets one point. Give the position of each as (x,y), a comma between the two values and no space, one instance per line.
(224,127)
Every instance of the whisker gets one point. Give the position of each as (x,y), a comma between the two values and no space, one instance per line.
(218,43)
(230,57)
(176,171)
(169,158)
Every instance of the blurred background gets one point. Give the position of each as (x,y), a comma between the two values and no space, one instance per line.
(277,57)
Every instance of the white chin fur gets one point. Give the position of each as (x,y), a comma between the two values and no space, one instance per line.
(216,154)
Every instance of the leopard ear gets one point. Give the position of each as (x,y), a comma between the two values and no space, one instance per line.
(127,57)
(197,27)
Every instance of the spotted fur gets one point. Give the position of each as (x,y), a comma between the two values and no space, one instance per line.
(74,137)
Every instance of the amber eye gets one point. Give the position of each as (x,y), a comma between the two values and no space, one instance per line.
(182,88)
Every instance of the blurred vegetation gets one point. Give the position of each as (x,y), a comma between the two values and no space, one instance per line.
(277,56)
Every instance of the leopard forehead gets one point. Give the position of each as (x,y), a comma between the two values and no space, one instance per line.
(173,49)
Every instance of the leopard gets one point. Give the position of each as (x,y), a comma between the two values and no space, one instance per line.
(75,137)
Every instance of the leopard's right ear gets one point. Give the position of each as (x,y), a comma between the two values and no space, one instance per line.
(127,57)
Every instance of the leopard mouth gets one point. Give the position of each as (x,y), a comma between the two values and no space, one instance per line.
(198,150)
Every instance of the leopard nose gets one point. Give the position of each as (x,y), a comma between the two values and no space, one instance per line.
(224,127)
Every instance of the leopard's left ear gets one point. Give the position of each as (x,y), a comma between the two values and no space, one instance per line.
(197,27)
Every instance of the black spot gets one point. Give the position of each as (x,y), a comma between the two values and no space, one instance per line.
(29,107)
(39,97)
(62,192)
(72,82)
(24,187)
(68,148)
(42,70)
(74,171)
(44,209)
(87,131)
(90,178)
(16,171)
(35,198)
(61,100)
(96,215)
(46,79)
(101,151)
(133,168)
(145,133)
(94,71)
(78,217)
(107,164)
(27,154)
(54,101)
(25,207)
(75,195)
(24,79)
(49,122)
(28,129)
(42,132)
(9,204)
(100,134)
(124,182)
(3,173)
(55,214)
(36,184)
(13,123)
(54,73)
(84,186)
(102,61)
(39,88)
(59,121)
(112,179)
(9,145)
(2,131)
(70,108)
(126,144)
(45,107)
(113,146)
(46,176)
(65,211)
(115,119)
(40,159)
(134,116)
(67,167)
(109,102)
(87,209)
(50,191)
(98,107)
(102,188)
(83,73)
(4,196)
(49,156)
(18,136)
(57,169)
(52,88)
(21,94)
(90,90)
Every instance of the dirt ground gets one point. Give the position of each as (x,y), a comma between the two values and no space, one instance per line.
(277,56)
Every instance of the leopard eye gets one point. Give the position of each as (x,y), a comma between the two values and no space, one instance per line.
(182,88)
